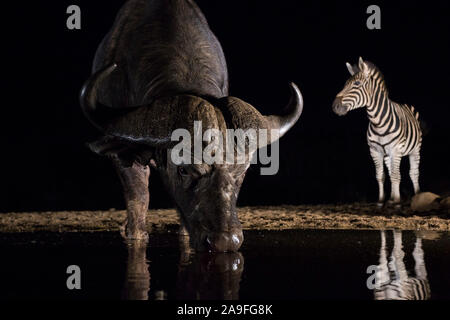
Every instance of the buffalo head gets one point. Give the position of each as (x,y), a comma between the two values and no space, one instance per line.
(204,193)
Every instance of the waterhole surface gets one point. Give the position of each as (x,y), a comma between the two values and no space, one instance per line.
(297,264)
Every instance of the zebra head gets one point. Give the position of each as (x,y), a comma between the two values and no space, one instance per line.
(358,90)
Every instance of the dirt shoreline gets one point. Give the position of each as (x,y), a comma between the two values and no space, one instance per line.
(348,217)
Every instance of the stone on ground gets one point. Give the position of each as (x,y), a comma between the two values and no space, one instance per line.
(425,201)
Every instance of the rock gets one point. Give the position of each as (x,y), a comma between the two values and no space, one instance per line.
(428,234)
(425,201)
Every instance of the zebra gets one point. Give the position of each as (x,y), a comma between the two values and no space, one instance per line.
(394,129)
(393,282)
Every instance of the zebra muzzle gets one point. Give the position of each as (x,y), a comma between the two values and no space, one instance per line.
(339,108)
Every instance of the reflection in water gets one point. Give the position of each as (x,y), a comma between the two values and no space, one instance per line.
(395,284)
(202,276)
(206,276)
(137,279)
(211,277)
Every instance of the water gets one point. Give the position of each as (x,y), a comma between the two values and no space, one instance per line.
(301,264)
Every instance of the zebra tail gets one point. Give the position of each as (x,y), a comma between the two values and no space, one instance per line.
(424,127)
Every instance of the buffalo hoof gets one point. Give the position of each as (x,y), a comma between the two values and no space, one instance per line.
(182,232)
(185,247)
(129,233)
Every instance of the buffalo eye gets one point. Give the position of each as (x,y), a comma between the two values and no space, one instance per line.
(182,171)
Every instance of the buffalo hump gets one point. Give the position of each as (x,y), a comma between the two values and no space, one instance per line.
(162,48)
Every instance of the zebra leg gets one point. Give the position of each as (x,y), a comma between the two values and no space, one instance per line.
(387,162)
(379,168)
(135,188)
(398,256)
(395,178)
(422,289)
(419,263)
(383,276)
(414,161)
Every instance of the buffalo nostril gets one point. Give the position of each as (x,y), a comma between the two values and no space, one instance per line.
(209,244)
(235,239)
(236,264)
(223,241)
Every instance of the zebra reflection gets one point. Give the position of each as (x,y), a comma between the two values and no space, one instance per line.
(393,280)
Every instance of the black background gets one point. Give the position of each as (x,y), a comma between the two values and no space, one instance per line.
(323,159)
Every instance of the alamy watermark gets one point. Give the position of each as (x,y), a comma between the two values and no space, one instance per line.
(240,147)
(374,20)
(73,22)
(74,280)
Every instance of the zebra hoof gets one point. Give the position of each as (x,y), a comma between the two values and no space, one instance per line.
(380,204)
(395,204)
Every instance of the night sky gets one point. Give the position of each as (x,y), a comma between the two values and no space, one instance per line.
(324,158)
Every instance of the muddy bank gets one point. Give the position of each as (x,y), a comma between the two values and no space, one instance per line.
(351,217)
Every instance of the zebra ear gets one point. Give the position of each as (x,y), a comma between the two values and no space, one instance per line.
(363,66)
(350,68)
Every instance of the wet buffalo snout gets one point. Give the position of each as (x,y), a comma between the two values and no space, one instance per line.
(224,241)
(338,107)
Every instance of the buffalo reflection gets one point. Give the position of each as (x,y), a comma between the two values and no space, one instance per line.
(137,277)
(201,276)
(211,277)
(392,278)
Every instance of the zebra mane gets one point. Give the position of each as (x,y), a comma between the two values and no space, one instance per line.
(375,70)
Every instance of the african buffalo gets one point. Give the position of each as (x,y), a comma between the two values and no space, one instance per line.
(160,68)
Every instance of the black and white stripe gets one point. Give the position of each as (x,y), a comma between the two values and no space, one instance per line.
(392,278)
(394,130)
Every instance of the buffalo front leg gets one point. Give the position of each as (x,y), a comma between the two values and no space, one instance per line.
(184,241)
(379,168)
(135,188)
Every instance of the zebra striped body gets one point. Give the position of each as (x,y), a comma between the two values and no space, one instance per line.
(393,281)
(394,129)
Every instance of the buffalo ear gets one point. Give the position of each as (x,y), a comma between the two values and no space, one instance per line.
(350,69)
(362,65)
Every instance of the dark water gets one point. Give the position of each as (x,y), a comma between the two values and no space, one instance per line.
(304,264)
